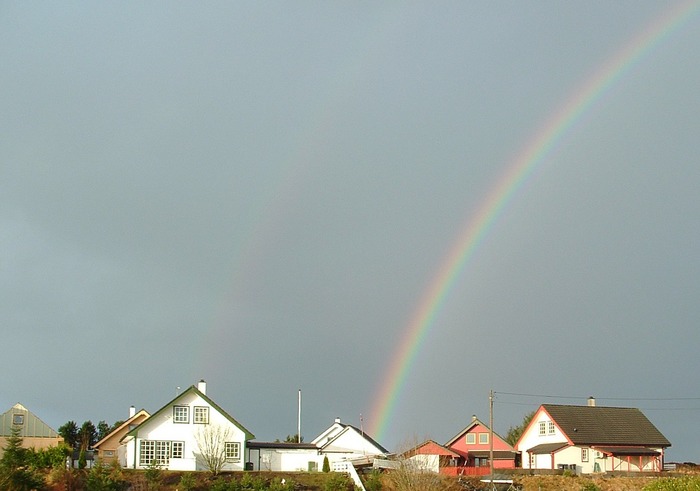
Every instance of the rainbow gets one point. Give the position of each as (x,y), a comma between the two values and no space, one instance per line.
(559,124)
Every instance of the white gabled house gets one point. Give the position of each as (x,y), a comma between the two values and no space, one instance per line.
(340,443)
(173,435)
(346,442)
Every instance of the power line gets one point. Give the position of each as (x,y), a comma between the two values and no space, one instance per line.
(546,396)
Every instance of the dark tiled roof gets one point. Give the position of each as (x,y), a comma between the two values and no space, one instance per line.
(546,448)
(598,425)
(282,445)
(624,451)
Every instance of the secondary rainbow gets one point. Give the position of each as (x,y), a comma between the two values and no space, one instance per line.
(531,155)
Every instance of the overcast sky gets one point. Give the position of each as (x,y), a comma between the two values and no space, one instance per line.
(259,194)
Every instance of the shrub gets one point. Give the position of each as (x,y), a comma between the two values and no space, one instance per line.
(187,482)
(326,464)
(338,482)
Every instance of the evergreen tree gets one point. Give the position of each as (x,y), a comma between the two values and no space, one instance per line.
(69,432)
(15,473)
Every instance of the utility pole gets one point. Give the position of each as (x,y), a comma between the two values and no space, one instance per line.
(299,419)
(491,437)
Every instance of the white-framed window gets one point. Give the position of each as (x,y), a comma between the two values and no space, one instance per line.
(483,438)
(18,419)
(550,428)
(533,460)
(543,428)
(147,452)
(163,452)
(471,438)
(584,455)
(181,414)
(178,450)
(233,451)
(201,415)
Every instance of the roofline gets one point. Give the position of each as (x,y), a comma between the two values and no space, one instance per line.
(195,390)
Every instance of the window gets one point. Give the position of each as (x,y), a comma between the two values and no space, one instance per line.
(533,460)
(181,414)
(471,438)
(148,452)
(18,419)
(550,427)
(178,450)
(543,428)
(201,415)
(483,438)
(584,455)
(233,451)
(163,452)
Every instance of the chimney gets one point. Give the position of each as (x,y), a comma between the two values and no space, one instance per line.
(337,420)
(202,387)
(132,411)
(591,401)
(473,417)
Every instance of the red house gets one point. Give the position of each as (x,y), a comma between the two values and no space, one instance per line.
(473,446)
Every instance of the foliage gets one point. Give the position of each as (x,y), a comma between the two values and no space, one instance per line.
(187,482)
(48,458)
(589,486)
(87,436)
(69,433)
(248,481)
(103,429)
(686,483)
(105,478)
(338,481)
(82,460)
(326,464)
(281,485)
(294,438)
(413,474)
(15,472)
(515,432)
(373,482)
(154,475)
(211,440)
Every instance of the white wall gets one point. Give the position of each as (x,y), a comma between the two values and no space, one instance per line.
(161,427)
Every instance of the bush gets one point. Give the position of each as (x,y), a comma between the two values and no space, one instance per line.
(338,482)
(187,482)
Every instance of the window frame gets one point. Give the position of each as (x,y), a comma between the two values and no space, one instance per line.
(232,451)
(18,419)
(177,447)
(542,428)
(584,454)
(472,437)
(197,415)
(181,415)
(483,438)
(551,428)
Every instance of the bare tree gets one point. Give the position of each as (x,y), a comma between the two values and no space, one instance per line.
(212,446)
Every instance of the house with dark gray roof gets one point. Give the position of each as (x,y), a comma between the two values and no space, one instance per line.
(588,439)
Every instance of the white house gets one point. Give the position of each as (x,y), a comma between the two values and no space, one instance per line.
(340,443)
(175,436)
(587,439)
